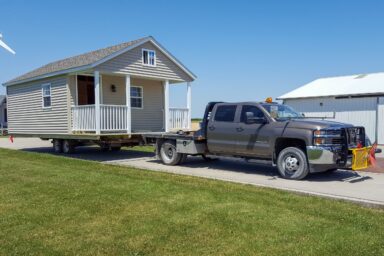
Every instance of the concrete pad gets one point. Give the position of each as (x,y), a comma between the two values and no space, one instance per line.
(359,187)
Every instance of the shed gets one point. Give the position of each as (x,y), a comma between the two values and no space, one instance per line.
(355,99)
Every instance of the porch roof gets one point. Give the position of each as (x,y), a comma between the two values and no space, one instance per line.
(86,61)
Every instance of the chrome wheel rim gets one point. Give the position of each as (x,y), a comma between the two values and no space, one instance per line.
(291,163)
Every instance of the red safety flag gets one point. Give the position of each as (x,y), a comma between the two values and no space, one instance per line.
(11,138)
(371,155)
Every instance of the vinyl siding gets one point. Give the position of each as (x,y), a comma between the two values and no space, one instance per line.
(131,63)
(151,116)
(356,111)
(25,112)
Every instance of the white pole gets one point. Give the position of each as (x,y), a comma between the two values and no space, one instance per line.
(189,103)
(166,105)
(128,102)
(97,101)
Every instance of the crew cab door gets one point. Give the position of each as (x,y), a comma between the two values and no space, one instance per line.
(221,130)
(253,134)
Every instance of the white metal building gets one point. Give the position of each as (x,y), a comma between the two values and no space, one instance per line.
(356,99)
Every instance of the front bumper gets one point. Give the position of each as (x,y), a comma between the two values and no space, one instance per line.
(321,158)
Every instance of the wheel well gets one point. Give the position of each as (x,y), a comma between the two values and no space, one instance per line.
(282,143)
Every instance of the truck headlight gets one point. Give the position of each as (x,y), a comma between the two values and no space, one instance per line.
(327,137)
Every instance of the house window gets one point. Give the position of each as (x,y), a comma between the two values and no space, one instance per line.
(149,57)
(46,93)
(5,116)
(136,97)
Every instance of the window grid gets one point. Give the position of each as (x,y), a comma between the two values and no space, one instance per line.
(136,97)
(149,57)
(46,94)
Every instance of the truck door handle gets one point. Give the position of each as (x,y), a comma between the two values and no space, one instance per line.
(211,127)
(239,129)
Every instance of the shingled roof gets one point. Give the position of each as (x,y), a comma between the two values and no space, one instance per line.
(76,61)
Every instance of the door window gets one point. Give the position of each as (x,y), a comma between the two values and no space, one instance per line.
(225,113)
(253,109)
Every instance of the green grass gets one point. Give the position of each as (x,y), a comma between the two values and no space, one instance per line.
(52,205)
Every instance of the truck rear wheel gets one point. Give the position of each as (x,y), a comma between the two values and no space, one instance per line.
(168,153)
(292,163)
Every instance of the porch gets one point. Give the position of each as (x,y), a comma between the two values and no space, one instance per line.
(123,104)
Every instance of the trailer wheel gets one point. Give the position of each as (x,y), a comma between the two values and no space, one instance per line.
(168,153)
(292,163)
(68,147)
(57,146)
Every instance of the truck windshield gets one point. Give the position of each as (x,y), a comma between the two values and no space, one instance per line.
(281,112)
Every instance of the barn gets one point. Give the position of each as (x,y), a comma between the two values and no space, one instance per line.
(355,99)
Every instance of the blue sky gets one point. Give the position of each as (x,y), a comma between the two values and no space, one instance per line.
(240,50)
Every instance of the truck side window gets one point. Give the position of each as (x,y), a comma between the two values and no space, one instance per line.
(225,113)
(249,108)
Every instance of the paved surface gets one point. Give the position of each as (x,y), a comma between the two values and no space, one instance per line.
(362,187)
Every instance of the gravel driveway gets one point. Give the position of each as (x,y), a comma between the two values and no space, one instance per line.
(362,187)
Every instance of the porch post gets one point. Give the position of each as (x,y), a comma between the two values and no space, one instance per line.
(189,103)
(166,105)
(128,102)
(97,101)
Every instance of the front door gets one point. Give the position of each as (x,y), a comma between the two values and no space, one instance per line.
(85,90)
(222,128)
(253,138)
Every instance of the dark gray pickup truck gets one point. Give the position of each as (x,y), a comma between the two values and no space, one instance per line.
(267,131)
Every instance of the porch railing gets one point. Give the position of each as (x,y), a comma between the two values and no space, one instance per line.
(113,118)
(178,118)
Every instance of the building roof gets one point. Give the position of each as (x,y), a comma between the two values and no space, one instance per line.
(2,99)
(363,84)
(88,60)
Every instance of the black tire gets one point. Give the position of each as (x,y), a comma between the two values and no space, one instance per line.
(292,164)
(168,153)
(68,147)
(57,146)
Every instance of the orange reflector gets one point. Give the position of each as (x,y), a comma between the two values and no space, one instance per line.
(269,100)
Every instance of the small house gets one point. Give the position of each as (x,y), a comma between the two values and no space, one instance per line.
(121,89)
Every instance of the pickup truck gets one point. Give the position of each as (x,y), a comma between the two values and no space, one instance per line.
(296,145)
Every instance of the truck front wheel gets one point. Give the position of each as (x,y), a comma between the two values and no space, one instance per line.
(168,153)
(292,163)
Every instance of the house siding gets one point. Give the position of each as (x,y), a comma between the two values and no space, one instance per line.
(151,116)
(26,114)
(131,63)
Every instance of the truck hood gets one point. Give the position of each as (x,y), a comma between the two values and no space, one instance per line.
(315,124)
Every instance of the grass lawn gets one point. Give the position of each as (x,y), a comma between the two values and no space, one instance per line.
(55,205)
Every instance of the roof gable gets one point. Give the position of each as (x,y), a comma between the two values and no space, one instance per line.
(88,60)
